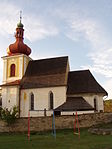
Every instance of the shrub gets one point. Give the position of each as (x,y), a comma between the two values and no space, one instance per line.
(9,116)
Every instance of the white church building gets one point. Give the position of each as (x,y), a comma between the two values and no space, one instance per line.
(44,85)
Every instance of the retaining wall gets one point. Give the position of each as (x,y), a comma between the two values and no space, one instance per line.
(61,122)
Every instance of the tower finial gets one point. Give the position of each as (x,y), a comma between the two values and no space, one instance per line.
(20,25)
(20,16)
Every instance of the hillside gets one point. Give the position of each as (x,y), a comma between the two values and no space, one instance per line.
(108,105)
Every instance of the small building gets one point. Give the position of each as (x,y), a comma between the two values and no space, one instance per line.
(46,85)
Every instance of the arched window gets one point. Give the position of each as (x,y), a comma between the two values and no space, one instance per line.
(12,70)
(51,103)
(95,106)
(32,101)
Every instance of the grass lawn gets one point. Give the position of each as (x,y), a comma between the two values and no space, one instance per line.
(65,139)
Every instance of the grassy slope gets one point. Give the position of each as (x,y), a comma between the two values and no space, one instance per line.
(64,140)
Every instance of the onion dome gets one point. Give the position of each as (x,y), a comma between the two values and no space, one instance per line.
(19,46)
(20,24)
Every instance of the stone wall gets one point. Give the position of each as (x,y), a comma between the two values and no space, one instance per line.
(61,122)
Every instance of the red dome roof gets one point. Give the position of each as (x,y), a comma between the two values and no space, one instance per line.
(19,46)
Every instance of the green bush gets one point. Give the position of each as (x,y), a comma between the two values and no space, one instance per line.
(9,116)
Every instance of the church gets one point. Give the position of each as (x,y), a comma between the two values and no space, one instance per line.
(46,85)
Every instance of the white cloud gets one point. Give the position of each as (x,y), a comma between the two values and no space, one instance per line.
(8,15)
(93,33)
(100,69)
(88,30)
(101,62)
(37,29)
(102,56)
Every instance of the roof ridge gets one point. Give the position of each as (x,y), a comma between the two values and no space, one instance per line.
(51,58)
(80,71)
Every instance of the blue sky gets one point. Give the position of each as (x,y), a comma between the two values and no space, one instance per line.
(81,29)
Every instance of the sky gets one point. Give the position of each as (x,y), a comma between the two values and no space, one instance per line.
(80,29)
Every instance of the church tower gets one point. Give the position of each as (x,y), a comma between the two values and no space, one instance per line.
(16,61)
(14,67)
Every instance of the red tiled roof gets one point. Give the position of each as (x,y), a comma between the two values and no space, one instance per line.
(17,82)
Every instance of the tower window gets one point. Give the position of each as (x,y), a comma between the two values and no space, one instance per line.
(32,102)
(12,70)
(51,103)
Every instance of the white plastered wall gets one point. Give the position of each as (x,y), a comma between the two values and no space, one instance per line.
(41,99)
(10,96)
